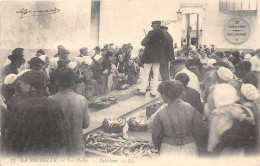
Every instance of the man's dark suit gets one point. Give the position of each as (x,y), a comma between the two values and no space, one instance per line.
(168,56)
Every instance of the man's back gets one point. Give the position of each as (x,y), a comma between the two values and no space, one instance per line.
(169,47)
(75,108)
(35,126)
(193,98)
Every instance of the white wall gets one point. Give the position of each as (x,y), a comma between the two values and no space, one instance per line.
(124,21)
(69,27)
(215,22)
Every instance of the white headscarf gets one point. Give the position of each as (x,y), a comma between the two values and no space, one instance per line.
(88,61)
(225,74)
(43,57)
(224,94)
(10,78)
(249,91)
(97,57)
(78,60)
(54,63)
(248,57)
(23,71)
(72,65)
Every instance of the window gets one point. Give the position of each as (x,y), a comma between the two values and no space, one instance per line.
(237,5)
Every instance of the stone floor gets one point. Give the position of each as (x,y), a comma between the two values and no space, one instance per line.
(127,103)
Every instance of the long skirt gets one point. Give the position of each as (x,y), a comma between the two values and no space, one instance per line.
(90,89)
(189,150)
(101,85)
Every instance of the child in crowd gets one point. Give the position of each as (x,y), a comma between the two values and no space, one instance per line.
(132,72)
(121,67)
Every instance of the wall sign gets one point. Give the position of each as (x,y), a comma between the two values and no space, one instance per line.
(237,31)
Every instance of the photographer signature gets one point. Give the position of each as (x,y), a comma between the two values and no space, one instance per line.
(28,13)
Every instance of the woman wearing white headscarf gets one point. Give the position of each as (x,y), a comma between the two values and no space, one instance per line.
(249,94)
(79,79)
(231,124)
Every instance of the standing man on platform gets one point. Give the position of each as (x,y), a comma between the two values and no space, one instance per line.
(152,56)
(168,54)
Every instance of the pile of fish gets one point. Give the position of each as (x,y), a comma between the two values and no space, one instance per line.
(138,123)
(116,144)
(114,125)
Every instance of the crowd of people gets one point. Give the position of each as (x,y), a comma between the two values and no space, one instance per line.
(212,97)
(59,87)
(212,105)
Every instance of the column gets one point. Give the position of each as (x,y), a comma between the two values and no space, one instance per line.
(188,31)
(95,22)
(197,30)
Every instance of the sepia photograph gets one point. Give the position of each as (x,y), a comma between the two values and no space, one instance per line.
(130,82)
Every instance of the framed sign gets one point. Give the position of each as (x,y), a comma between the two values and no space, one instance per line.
(237,31)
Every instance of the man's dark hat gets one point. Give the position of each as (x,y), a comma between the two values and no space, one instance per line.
(130,46)
(164,27)
(125,46)
(105,47)
(83,49)
(156,23)
(36,61)
(111,44)
(109,53)
(41,51)
(16,54)
(97,48)
(66,77)
(63,51)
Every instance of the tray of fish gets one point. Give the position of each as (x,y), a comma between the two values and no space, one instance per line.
(117,144)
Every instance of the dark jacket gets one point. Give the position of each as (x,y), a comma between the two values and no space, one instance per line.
(193,98)
(106,64)
(97,71)
(8,69)
(168,48)
(7,92)
(36,126)
(194,62)
(121,67)
(132,73)
(153,51)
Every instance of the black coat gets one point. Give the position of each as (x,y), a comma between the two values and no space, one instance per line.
(153,51)
(36,126)
(193,98)
(168,48)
